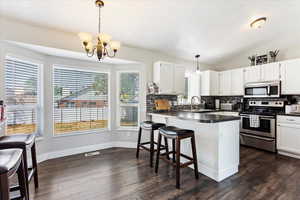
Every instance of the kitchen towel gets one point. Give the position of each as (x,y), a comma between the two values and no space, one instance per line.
(254,121)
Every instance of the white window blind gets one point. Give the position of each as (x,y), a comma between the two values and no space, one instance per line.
(128,99)
(21,96)
(80,100)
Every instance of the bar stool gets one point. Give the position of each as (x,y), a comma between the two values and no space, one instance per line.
(11,162)
(23,142)
(176,134)
(149,126)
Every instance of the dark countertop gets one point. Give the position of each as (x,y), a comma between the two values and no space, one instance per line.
(199,117)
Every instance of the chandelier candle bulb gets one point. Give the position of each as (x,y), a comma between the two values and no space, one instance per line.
(85,37)
(104,38)
(115,45)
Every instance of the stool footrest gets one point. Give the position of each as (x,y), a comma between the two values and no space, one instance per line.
(182,165)
(31,172)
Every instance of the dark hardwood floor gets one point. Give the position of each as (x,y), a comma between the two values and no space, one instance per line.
(116,174)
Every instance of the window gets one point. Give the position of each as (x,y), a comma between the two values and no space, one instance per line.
(22,96)
(128,99)
(80,100)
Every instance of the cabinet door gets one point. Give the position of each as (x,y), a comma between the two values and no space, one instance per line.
(288,138)
(179,83)
(237,82)
(214,83)
(225,83)
(204,86)
(270,72)
(291,80)
(166,80)
(252,74)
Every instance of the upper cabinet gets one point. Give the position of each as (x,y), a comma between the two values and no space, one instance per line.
(169,77)
(237,82)
(225,83)
(290,71)
(270,72)
(209,83)
(252,74)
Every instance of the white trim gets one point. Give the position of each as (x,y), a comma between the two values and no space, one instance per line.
(86,132)
(289,154)
(84,149)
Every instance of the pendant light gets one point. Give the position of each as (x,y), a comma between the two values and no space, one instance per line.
(198,64)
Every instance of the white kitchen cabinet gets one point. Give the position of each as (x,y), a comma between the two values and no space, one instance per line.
(225,83)
(169,77)
(209,83)
(237,82)
(270,72)
(288,135)
(252,74)
(179,83)
(290,80)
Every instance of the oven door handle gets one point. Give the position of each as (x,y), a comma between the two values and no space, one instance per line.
(260,116)
(257,137)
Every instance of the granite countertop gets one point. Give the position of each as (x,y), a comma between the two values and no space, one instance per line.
(199,117)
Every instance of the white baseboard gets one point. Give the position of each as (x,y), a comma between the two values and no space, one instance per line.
(79,150)
(289,154)
(215,174)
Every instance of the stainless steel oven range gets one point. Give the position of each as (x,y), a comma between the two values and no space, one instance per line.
(258,124)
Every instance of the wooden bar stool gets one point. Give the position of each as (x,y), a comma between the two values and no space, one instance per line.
(149,126)
(176,134)
(24,142)
(11,162)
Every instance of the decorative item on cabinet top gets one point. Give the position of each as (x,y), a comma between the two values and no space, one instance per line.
(152,88)
(273,55)
(263,59)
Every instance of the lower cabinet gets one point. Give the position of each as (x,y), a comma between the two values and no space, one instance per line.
(288,136)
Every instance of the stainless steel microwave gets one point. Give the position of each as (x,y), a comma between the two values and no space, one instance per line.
(262,89)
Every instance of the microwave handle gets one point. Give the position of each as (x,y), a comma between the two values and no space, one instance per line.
(268,90)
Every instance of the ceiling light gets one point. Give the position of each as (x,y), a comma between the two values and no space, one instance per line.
(198,64)
(104,43)
(258,23)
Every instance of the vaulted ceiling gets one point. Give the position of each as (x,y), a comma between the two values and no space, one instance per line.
(217,29)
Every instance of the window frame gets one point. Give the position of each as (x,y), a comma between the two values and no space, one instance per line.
(84,132)
(40,92)
(119,104)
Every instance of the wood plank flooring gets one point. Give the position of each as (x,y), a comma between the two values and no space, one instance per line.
(117,175)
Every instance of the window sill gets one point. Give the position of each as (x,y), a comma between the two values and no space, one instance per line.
(96,131)
(127,129)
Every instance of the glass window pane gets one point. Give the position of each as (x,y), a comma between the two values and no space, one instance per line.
(129,116)
(21,96)
(80,100)
(129,87)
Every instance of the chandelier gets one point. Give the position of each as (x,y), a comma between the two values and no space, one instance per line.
(104,47)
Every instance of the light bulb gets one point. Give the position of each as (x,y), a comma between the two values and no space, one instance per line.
(115,45)
(104,38)
(85,37)
(89,46)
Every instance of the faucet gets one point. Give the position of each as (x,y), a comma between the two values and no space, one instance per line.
(193,101)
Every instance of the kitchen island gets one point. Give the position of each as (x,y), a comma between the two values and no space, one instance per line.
(217,140)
